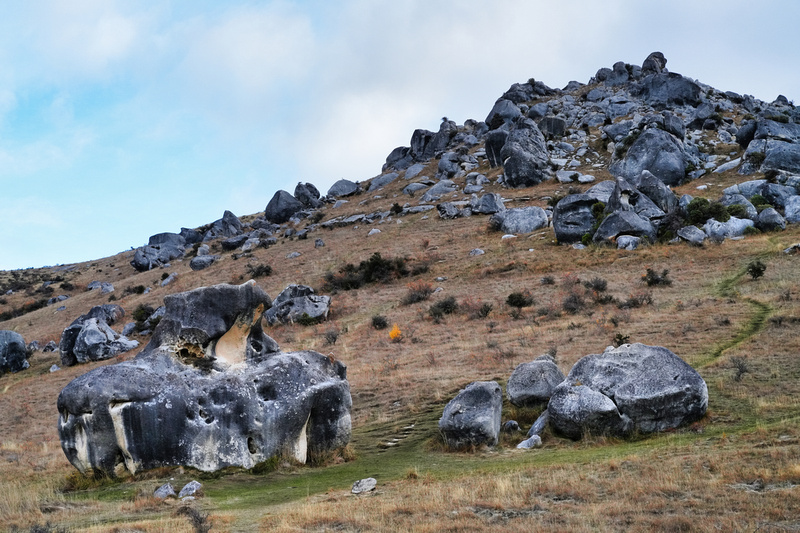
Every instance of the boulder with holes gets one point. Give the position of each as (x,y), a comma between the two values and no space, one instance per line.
(211,390)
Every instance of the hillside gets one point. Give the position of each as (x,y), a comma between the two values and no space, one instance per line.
(735,470)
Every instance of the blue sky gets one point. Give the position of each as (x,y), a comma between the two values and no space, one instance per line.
(119,120)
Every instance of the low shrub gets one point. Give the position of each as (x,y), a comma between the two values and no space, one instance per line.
(653,278)
(520,299)
(418,291)
(379,322)
(596,284)
(447,306)
(258,271)
(373,270)
(756,269)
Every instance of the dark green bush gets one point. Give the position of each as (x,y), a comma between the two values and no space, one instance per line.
(756,269)
(380,322)
(700,210)
(520,299)
(736,210)
(258,271)
(651,277)
(596,284)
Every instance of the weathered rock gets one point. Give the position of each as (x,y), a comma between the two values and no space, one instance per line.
(149,257)
(51,346)
(655,63)
(364,485)
(770,220)
(503,112)
(719,231)
(626,197)
(624,223)
(628,242)
(294,302)
(667,89)
(573,217)
(227,226)
(344,188)
(308,195)
(210,391)
(173,239)
(655,189)
(692,235)
(511,426)
(281,207)
(532,383)
(656,151)
(553,126)
(740,199)
(164,491)
(524,155)
(488,204)
(631,388)
(13,352)
(540,423)
(191,236)
(437,191)
(382,181)
(792,209)
(495,140)
(190,489)
(472,418)
(534,441)
(521,219)
(202,262)
(91,339)
(449,211)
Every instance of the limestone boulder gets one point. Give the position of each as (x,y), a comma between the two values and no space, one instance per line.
(13,352)
(656,151)
(521,219)
(531,384)
(343,188)
(524,155)
(308,195)
(634,387)
(149,257)
(624,223)
(668,89)
(573,217)
(281,207)
(90,337)
(209,391)
(473,417)
(295,302)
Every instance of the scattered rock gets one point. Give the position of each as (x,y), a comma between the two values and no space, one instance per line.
(164,491)
(476,251)
(472,418)
(172,277)
(281,207)
(532,383)
(521,219)
(190,489)
(296,301)
(364,485)
(13,352)
(344,188)
(202,262)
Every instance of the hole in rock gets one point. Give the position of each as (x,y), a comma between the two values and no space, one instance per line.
(251,445)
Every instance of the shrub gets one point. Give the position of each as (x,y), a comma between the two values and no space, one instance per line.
(620,339)
(418,291)
(596,284)
(396,209)
(379,322)
(737,210)
(573,303)
(547,280)
(756,158)
(475,309)
(443,307)
(258,271)
(331,336)
(756,269)
(138,289)
(652,278)
(751,230)
(395,335)
(308,320)
(700,210)
(373,270)
(758,200)
(520,299)
(741,366)
(636,300)
(67,286)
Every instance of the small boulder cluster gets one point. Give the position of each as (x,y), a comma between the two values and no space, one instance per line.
(90,337)
(631,388)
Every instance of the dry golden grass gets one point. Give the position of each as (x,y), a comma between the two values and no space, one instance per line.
(693,481)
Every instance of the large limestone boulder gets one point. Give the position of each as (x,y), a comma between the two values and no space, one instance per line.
(209,391)
(656,151)
(624,223)
(90,337)
(521,219)
(668,89)
(631,388)
(281,207)
(294,302)
(472,418)
(524,155)
(308,195)
(532,384)
(343,188)
(153,256)
(573,217)
(13,352)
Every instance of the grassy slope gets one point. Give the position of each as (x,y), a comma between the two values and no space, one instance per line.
(711,313)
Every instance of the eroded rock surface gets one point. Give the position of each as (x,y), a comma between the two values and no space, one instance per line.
(209,391)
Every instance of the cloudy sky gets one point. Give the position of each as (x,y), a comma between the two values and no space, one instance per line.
(119,119)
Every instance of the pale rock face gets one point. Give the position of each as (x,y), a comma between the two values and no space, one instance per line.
(211,390)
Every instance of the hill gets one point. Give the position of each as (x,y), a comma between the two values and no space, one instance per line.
(736,469)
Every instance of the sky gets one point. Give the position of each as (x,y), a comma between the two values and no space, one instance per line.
(120,119)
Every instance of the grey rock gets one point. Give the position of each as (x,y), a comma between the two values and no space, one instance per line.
(524,155)
(626,197)
(382,181)
(412,188)
(770,220)
(319,243)
(343,188)
(169,279)
(656,151)
(13,352)
(624,223)
(792,209)
(472,418)
(573,217)
(631,388)
(532,383)
(619,130)
(746,189)
(488,204)
(227,226)
(521,219)
(413,171)
(129,329)
(149,257)
(540,423)
(191,236)
(92,340)
(373,231)
(210,375)
(777,194)
(510,426)
(495,140)
(281,207)
(190,489)
(449,166)
(503,112)
(730,165)
(655,63)
(54,368)
(449,211)
(437,191)
(628,242)
(476,251)
(667,89)
(51,346)
(657,191)
(719,231)
(294,302)
(534,441)
(553,126)
(173,239)
(308,195)
(364,485)
(692,235)
(202,262)
(164,491)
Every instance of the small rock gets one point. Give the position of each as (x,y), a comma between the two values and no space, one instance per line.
(190,489)
(293,255)
(373,231)
(364,485)
(319,243)
(476,251)
(164,491)
(169,279)
(533,442)
(54,368)
(511,426)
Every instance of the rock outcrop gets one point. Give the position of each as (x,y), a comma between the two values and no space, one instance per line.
(13,352)
(296,302)
(532,383)
(631,388)
(472,418)
(90,337)
(209,391)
